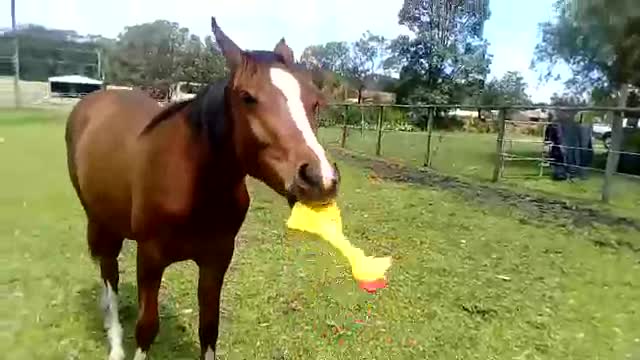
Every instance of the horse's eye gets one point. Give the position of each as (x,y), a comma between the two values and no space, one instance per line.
(248,98)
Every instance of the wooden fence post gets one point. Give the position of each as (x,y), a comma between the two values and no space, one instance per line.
(343,141)
(497,169)
(379,139)
(361,121)
(427,155)
(613,157)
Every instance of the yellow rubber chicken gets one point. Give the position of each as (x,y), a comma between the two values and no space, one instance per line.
(326,222)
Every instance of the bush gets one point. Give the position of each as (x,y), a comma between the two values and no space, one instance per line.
(630,163)
(397,119)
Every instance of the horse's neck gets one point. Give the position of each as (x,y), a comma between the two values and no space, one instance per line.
(210,158)
(223,167)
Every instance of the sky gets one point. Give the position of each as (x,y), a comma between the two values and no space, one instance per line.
(512,29)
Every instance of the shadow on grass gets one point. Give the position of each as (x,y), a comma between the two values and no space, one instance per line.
(174,341)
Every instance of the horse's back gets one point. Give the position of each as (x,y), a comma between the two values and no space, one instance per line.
(102,133)
(126,110)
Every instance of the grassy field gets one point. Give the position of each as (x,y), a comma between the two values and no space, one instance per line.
(468,282)
(472,156)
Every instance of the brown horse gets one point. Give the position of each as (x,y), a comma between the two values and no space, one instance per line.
(173,179)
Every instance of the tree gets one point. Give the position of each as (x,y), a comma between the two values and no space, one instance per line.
(446,60)
(146,54)
(566,99)
(162,53)
(50,52)
(511,89)
(598,39)
(330,63)
(153,54)
(333,56)
(368,57)
(200,62)
(353,65)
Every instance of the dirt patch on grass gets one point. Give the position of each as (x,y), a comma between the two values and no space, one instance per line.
(535,207)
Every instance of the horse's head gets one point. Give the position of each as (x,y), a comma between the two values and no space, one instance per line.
(272,102)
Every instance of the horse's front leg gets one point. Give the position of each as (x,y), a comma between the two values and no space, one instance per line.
(149,272)
(212,271)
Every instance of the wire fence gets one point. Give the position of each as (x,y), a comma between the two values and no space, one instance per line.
(499,144)
(487,143)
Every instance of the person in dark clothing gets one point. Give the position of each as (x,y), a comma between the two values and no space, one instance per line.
(552,136)
(571,149)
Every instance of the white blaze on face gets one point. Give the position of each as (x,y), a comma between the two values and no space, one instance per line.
(290,87)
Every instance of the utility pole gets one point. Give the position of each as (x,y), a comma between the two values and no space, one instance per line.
(16,56)
(99,53)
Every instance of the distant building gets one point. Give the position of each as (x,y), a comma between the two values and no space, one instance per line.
(73,85)
(536,115)
(375,97)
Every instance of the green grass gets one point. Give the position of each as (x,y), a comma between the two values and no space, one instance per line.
(472,156)
(468,281)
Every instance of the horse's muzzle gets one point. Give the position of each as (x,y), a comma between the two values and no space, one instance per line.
(309,187)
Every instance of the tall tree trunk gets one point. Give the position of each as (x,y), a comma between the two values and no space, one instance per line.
(613,157)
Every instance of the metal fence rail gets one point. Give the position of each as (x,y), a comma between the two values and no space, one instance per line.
(500,155)
(374,117)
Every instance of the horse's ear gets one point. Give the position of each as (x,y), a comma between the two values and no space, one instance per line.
(232,53)
(285,51)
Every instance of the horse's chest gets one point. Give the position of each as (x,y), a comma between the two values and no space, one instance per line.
(210,231)
(224,213)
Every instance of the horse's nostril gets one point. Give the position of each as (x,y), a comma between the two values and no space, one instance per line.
(306,174)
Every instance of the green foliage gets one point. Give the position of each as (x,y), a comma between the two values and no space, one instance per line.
(446,60)
(368,56)
(354,64)
(508,90)
(598,39)
(397,119)
(150,54)
(333,56)
(161,52)
(48,52)
(566,99)
(330,64)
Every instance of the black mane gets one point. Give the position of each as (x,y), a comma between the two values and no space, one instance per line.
(205,111)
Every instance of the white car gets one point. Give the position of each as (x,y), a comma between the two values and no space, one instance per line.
(602,131)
